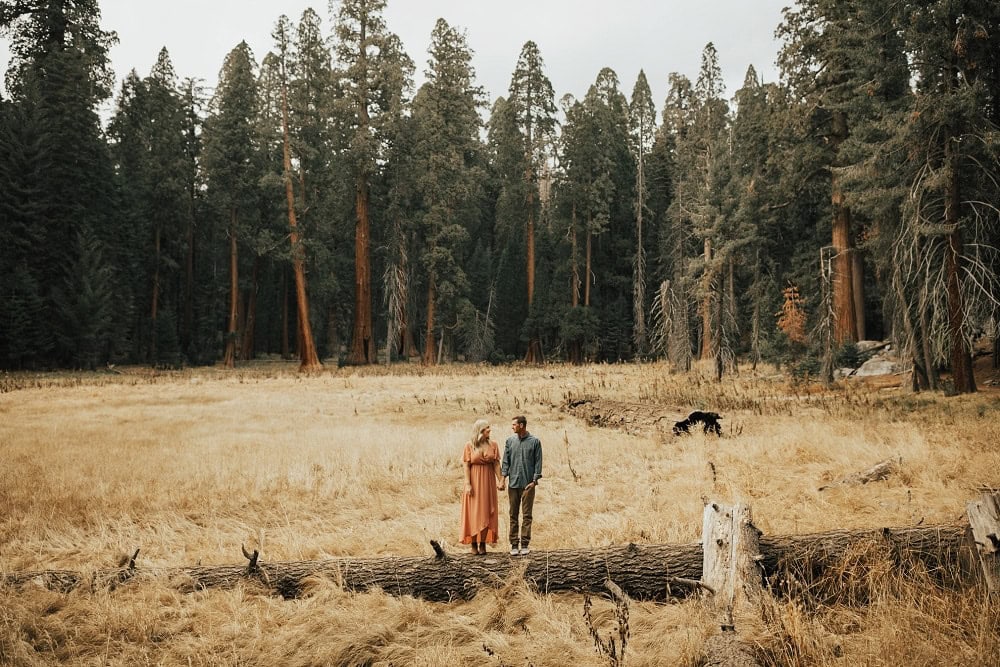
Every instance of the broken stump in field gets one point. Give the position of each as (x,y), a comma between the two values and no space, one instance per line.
(731,566)
(984,521)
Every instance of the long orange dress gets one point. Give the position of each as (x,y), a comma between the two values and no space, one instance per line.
(481,509)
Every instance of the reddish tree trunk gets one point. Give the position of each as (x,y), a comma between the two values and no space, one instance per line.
(285,353)
(575,299)
(961,359)
(429,352)
(229,357)
(155,301)
(362,341)
(844,315)
(309,360)
(249,325)
(706,305)
(857,285)
(187,329)
(534,353)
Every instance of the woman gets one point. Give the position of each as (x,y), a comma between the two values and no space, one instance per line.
(481,460)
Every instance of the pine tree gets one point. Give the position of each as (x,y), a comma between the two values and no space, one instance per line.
(86,299)
(149,148)
(58,74)
(450,182)
(532,106)
(309,361)
(842,57)
(233,168)
(371,78)
(642,127)
(951,145)
(25,336)
(508,165)
(675,234)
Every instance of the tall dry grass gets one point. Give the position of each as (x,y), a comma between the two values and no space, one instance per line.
(188,466)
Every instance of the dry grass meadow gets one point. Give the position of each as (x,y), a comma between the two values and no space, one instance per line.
(188,466)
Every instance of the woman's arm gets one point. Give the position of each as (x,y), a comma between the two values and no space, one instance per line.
(468,477)
(497,470)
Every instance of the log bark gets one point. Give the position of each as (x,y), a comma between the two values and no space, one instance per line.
(644,572)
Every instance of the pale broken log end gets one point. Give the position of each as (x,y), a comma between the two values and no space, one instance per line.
(616,592)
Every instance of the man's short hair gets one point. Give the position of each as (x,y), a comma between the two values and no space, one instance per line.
(520,419)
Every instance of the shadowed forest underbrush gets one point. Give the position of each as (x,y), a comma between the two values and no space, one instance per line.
(188,466)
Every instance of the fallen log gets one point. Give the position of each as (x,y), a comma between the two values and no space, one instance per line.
(643,572)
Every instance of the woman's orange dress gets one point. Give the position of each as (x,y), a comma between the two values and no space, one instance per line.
(481,509)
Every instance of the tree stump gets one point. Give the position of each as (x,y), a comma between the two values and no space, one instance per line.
(984,520)
(732,567)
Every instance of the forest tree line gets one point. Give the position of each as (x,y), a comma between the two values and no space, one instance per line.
(315,205)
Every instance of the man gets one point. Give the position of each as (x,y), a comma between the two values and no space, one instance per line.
(522,468)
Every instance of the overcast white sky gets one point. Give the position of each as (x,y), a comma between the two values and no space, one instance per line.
(576,37)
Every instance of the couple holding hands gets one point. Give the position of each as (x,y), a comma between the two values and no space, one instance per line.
(486,472)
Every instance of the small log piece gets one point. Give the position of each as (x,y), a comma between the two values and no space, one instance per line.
(878,472)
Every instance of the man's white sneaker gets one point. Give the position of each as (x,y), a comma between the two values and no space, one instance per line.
(524,551)
(514,551)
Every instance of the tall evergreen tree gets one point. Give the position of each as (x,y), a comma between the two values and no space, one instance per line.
(308,358)
(642,127)
(233,168)
(58,74)
(951,144)
(371,81)
(25,331)
(578,327)
(508,165)
(836,56)
(450,181)
(675,234)
(532,105)
(148,131)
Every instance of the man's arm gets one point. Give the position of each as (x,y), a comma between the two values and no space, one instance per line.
(538,461)
(505,467)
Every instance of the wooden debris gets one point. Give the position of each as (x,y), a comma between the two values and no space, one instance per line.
(878,472)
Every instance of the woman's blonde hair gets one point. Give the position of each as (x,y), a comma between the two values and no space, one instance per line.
(478,439)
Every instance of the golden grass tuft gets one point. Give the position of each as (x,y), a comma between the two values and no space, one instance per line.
(187,466)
